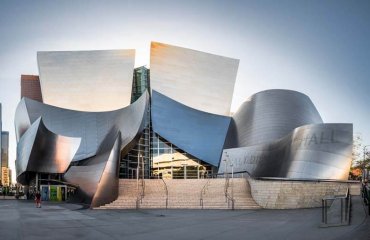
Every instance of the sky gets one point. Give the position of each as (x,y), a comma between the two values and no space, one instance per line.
(320,48)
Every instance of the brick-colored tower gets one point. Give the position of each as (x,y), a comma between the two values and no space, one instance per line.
(30,87)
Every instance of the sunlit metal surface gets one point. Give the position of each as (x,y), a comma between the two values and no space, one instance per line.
(91,127)
(196,79)
(97,177)
(319,151)
(87,80)
(279,133)
(41,150)
(269,115)
(102,136)
(198,133)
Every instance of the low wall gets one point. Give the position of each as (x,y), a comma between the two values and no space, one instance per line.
(289,194)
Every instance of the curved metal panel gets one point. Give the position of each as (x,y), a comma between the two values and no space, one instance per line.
(97,177)
(21,119)
(41,150)
(91,127)
(196,79)
(87,80)
(319,151)
(199,133)
(96,172)
(270,115)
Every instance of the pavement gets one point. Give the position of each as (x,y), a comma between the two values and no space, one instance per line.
(20,219)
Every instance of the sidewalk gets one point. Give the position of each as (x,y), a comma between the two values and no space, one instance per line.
(21,220)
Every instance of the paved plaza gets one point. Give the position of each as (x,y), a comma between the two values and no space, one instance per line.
(21,220)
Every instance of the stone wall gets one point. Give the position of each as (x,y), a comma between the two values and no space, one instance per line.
(288,194)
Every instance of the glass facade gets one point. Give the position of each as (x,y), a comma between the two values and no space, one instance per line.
(140,82)
(138,159)
(168,161)
(153,156)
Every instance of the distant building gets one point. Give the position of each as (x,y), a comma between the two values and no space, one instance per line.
(5,176)
(10,176)
(4,151)
(30,87)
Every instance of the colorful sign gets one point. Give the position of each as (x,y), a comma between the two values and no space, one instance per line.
(53,193)
(44,193)
(59,193)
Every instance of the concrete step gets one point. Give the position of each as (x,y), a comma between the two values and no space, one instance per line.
(183,194)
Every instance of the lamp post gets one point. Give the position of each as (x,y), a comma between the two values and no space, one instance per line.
(225,160)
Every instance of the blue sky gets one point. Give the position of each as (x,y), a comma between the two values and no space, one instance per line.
(320,48)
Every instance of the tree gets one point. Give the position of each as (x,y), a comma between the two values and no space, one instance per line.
(360,157)
(356,149)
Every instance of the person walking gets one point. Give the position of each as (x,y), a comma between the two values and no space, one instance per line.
(38,199)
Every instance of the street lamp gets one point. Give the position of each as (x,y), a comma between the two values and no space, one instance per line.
(226,161)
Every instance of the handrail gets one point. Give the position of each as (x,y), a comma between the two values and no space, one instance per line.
(365,194)
(345,209)
(141,191)
(165,187)
(228,198)
(226,186)
(203,191)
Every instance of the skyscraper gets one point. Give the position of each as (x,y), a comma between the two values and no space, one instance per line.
(4,148)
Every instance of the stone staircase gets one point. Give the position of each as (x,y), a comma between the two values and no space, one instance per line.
(183,194)
(214,197)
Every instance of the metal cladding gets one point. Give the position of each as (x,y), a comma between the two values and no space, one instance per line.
(199,133)
(91,127)
(101,136)
(87,80)
(269,137)
(196,79)
(270,115)
(97,177)
(86,122)
(41,150)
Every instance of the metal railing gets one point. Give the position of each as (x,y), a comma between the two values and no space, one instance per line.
(329,203)
(165,187)
(229,198)
(140,183)
(365,193)
(203,191)
(140,192)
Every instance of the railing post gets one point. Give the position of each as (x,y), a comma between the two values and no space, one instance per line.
(326,211)
(322,211)
(341,210)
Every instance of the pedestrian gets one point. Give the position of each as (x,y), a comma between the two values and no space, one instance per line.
(38,199)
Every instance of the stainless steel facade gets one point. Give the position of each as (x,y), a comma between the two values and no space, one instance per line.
(94,143)
(91,127)
(198,133)
(269,115)
(80,80)
(279,133)
(41,150)
(196,79)
(275,133)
